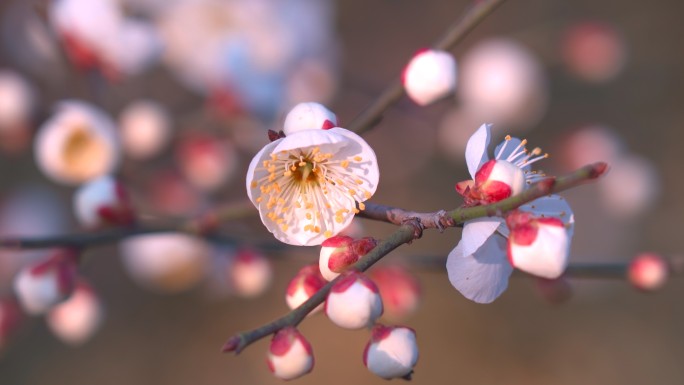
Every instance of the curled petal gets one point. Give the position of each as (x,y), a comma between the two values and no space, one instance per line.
(476,149)
(477,232)
(482,276)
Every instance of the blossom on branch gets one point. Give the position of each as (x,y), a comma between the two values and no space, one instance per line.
(538,233)
(309,184)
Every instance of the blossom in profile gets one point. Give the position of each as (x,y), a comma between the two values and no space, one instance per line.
(75,320)
(353,302)
(535,238)
(42,285)
(250,273)
(309,185)
(102,202)
(77,144)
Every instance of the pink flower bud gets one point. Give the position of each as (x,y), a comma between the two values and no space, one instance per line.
(538,246)
(145,129)
(41,286)
(392,352)
(305,284)
(309,116)
(10,320)
(648,272)
(290,355)
(399,290)
(206,161)
(250,273)
(103,201)
(336,255)
(593,51)
(498,179)
(354,302)
(75,320)
(429,76)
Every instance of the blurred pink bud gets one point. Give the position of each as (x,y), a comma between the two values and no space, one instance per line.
(392,352)
(539,246)
(41,286)
(593,51)
(17,101)
(206,161)
(168,192)
(430,76)
(77,144)
(354,302)
(591,144)
(305,284)
(503,81)
(102,202)
(145,129)
(250,273)
(399,290)
(75,320)
(10,320)
(309,116)
(630,187)
(336,255)
(290,355)
(648,272)
(554,291)
(167,262)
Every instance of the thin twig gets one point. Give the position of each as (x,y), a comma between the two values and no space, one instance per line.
(372,115)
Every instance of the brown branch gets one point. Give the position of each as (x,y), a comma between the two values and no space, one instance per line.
(372,115)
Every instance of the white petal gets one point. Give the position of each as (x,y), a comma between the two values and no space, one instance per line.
(262,155)
(311,138)
(552,206)
(476,149)
(476,232)
(367,170)
(483,276)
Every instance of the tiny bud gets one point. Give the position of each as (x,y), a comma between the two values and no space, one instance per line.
(305,284)
(41,286)
(498,179)
(290,355)
(648,272)
(75,320)
(354,302)
(309,116)
(429,76)
(250,273)
(101,202)
(539,246)
(392,352)
(554,291)
(231,345)
(399,290)
(336,255)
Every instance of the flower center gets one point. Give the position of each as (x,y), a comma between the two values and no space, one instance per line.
(312,184)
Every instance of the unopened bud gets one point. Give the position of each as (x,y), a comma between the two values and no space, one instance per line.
(305,284)
(336,255)
(498,179)
(41,286)
(392,352)
(429,76)
(101,202)
(75,320)
(290,355)
(539,246)
(250,273)
(309,116)
(648,272)
(354,302)
(399,290)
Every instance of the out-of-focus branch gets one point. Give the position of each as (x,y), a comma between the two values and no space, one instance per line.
(372,115)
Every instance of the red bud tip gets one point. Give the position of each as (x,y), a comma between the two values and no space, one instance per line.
(547,184)
(231,345)
(598,169)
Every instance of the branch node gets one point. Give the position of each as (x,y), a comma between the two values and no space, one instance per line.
(417,226)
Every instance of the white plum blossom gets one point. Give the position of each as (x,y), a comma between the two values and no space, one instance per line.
(429,76)
(479,266)
(307,185)
(354,302)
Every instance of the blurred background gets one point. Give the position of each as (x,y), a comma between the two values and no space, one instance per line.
(179,96)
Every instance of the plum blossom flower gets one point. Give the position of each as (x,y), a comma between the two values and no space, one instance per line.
(308,185)
(539,231)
